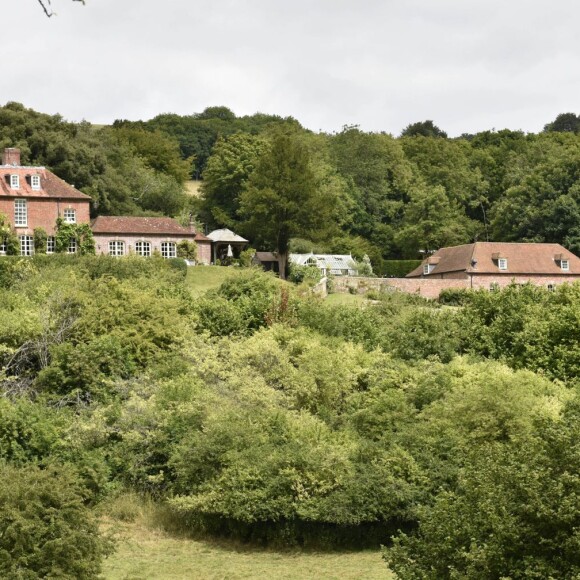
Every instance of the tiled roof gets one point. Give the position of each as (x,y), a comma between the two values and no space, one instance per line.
(51,186)
(482,258)
(225,235)
(159,226)
(266,256)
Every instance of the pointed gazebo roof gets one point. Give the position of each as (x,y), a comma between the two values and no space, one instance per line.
(226,236)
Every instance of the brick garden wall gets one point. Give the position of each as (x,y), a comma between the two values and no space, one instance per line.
(432,287)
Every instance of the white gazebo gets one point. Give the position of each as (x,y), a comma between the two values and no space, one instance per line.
(226,244)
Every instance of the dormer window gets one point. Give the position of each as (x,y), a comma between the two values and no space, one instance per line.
(565,265)
(428,268)
(14,182)
(502,263)
(35,182)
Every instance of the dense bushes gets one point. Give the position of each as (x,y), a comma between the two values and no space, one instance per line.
(47,530)
(256,413)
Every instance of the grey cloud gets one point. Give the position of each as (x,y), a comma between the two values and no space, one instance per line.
(468,64)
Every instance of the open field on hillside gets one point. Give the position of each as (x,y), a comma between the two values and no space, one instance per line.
(192,187)
(200,279)
(144,553)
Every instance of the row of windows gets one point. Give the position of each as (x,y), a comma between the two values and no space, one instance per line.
(21,214)
(502,264)
(34,181)
(27,246)
(168,249)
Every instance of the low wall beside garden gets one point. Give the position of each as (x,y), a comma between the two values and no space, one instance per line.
(428,288)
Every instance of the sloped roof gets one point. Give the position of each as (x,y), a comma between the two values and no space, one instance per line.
(325,261)
(159,226)
(51,186)
(481,258)
(225,235)
(266,256)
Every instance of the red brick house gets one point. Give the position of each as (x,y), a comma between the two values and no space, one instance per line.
(33,197)
(144,236)
(493,265)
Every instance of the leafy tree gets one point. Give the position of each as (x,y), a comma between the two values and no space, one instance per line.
(232,161)
(282,199)
(423,128)
(431,221)
(564,123)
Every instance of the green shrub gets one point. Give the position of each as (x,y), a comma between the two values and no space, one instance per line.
(399,268)
(47,530)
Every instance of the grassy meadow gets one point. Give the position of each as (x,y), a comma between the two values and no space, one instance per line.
(147,549)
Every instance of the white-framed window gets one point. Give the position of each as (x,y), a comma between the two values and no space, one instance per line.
(50,244)
(15,182)
(502,263)
(72,246)
(70,216)
(425,269)
(20,213)
(565,265)
(3,247)
(26,245)
(143,249)
(35,181)
(168,250)
(116,248)
(551,287)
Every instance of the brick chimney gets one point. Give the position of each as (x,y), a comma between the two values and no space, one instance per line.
(11,156)
(192,228)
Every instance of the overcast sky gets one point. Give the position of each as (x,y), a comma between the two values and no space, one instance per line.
(469,65)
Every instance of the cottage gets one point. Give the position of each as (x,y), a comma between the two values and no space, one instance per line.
(493,265)
(144,236)
(33,197)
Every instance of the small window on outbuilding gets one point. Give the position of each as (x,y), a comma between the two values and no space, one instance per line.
(35,182)
(15,181)
(565,265)
(502,263)
(551,287)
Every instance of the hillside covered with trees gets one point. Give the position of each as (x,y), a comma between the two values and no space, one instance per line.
(388,197)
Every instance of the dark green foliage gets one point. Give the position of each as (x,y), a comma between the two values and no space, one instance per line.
(240,305)
(512,512)
(47,530)
(527,326)
(564,123)
(423,129)
(399,268)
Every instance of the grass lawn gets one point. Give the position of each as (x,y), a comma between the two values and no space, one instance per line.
(346,299)
(145,553)
(202,278)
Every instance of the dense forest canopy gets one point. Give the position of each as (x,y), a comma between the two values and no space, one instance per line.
(392,196)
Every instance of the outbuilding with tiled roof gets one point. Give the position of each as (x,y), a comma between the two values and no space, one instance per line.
(145,236)
(496,264)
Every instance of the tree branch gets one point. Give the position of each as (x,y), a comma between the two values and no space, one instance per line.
(47,6)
